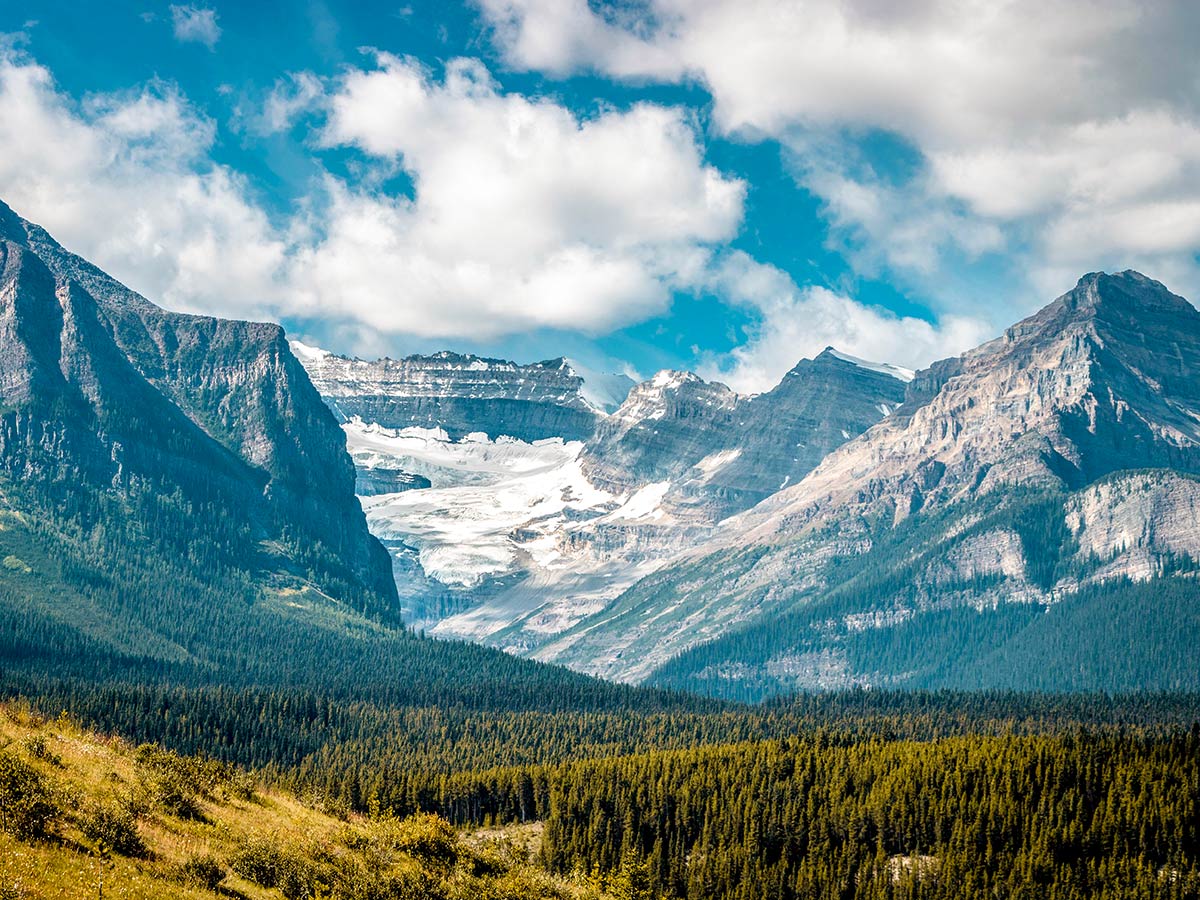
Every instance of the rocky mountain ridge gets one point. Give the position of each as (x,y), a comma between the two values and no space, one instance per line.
(129,431)
(463,393)
(1058,457)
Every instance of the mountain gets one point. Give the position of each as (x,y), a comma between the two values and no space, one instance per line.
(177,506)
(1031,494)
(515,541)
(723,452)
(462,393)
(112,405)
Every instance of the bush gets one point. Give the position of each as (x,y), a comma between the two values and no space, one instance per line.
(114,831)
(27,809)
(259,861)
(37,747)
(268,865)
(427,837)
(176,783)
(203,871)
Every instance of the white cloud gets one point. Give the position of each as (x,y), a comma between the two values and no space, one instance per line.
(793,323)
(291,96)
(1041,127)
(125,180)
(195,24)
(524,214)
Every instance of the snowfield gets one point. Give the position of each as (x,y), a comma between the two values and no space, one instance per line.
(508,509)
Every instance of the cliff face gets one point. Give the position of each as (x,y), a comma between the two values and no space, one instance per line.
(723,452)
(460,394)
(110,402)
(1105,378)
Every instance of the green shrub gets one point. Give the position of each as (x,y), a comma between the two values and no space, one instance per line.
(27,808)
(268,865)
(427,837)
(114,831)
(203,871)
(37,747)
(259,861)
(176,783)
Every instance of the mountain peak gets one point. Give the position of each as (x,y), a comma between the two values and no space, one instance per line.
(1129,289)
(837,357)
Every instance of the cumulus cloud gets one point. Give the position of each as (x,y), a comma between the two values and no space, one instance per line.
(524,215)
(521,215)
(791,323)
(125,180)
(195,24)
(1041,127)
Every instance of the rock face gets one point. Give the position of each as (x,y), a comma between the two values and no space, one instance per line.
(111,403)
(1105,378)
(722,452)
(1013,474)
(462,394)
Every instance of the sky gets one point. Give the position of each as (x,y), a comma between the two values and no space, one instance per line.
(726,186)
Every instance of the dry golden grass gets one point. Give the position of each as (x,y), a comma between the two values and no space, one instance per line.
(86,769)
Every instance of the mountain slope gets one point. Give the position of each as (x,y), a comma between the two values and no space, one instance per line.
(1056,457)
(108,398)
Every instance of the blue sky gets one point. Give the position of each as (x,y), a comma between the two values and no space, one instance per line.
(717,185)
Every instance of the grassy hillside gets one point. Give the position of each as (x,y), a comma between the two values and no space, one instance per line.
(87,816)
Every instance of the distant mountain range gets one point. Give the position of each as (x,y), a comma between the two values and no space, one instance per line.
(177,501)
(177,505)
(857,524)
(521,532)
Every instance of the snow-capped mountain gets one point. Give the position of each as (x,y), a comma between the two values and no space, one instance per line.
(722,452)
(513,539)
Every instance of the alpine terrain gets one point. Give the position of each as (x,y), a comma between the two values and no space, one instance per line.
(511,523)
(859,524)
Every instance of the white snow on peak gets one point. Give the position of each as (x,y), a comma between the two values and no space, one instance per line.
(602,391)
(898,372)
(670,378)
(305,352)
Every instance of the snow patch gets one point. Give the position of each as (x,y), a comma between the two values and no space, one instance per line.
(304,352)
(898,372)
(714,462)
(646,503)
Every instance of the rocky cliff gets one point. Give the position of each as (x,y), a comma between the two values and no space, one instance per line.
(190,435)
(461,394)
(723,453)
